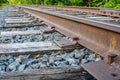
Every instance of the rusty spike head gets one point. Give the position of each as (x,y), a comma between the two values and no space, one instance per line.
(37,19)
(75,38)
(53,27)
(111,58)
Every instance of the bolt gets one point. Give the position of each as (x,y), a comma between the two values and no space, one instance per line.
(53,27)
(75,41)
(75,38)
(111,58)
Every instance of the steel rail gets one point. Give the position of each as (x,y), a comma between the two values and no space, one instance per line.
(99,11)
(95,35)
(101,37)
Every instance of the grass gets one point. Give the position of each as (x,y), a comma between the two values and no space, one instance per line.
(2,5)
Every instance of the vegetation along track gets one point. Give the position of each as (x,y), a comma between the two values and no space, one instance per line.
(41,43)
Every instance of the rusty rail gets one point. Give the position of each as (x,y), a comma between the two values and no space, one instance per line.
(99,11)
(103,38)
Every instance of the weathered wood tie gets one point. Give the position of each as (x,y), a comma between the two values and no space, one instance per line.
(12,33)
(28,47)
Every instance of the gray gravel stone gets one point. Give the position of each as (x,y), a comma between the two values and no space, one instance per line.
(13,66)
(22,67)
(58,58)
(29,68)
(33,61)
(43,65)
(45,58)
(79,54)
(55,59)
(65,56)
(2,68)
(27,38)
(36,66)
(84,61)
(71,61)
(51,60)
(3,58)
(61,64)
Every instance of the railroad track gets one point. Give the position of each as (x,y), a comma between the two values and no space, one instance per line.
(98,11)
(46,43)
(32,49)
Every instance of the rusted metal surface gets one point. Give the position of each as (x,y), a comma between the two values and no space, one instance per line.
(101,37)
(110,12)
(65,43)
(99,11)
(111,58)
(98,36)
(81,9)
(102,71)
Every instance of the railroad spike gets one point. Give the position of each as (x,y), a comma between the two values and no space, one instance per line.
(111,58)
(75,38)
(53,27)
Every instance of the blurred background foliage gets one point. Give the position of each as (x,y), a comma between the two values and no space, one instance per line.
(87,3)
(3,2)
